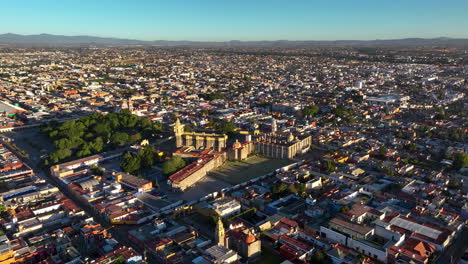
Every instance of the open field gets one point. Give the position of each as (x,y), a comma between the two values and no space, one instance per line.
(235,172)
(33,142)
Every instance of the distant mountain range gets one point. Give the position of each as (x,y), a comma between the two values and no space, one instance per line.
(59,40)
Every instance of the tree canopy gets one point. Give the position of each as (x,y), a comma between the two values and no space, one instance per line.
(3,208)
(172,165)
(330,166)
(225,127)
(143,159)
(347,115)
(131,163)
(310,110)
(461,160)
(320,257)
(96,133)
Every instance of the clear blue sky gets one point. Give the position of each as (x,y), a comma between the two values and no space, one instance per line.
(219,20)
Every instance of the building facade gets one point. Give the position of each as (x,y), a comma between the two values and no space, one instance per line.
(198,140)
(274,145)
(282,147)
(206,161)
(240,151)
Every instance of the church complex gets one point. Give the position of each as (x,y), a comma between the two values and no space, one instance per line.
(215,150)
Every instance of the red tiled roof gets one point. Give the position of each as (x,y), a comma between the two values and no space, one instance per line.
(296,243)
(242,234)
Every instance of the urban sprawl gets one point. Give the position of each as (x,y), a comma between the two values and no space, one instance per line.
(233,155)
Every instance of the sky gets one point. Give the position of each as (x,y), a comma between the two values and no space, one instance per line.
(247,20)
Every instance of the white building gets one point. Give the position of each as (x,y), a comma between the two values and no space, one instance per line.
(226,207)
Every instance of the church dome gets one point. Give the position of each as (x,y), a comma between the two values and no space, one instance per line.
(250,238)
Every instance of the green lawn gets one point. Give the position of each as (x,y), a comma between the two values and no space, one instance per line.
(235,172)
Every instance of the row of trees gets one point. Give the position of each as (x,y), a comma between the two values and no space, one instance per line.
(97,133)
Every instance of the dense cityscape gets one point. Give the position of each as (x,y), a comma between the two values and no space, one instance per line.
(186,154)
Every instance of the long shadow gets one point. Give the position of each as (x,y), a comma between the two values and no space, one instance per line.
(238,173)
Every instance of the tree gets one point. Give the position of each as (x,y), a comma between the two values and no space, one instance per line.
(351,119)
(147,156)
(62,143)
(278,189)
(63,153)
(58,155)
(119,138)
(341,111)
(453,184)
(211,96)
(3,208)
(97,145)
(320,257)
(157,127)
(168,167)
(179,162)
(330,166)
(461,160)
(226,127)
(457,134)
(310,110)
(119,260)
(382,150)
(98,132)
(300,187)
(102,129)
(345,208)
(410,146)
(71,129)
(146,124)
(172,165)
(131,163)
(388,171)
(85,151)
(53,134)
(134,138)
(150,128)
(96,170)
(129,121)
(399,134)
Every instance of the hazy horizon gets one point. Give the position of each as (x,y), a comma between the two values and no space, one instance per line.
(254,40)
(242,20)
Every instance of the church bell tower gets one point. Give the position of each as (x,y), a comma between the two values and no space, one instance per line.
(178,132)
(219,233)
